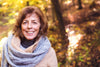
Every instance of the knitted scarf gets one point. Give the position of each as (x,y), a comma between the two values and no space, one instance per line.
(14,56)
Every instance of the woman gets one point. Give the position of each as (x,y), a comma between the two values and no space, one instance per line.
(28,46)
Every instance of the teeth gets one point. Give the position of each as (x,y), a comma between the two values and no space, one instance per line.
(29,32)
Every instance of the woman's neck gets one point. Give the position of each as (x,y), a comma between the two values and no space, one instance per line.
(26,43)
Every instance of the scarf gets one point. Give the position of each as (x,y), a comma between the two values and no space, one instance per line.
(29,57)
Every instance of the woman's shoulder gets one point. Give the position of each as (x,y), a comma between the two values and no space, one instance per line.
(51,51)
(50,59)
(51,54)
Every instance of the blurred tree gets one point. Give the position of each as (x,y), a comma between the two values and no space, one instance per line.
(80,4)
(73,1)
(27,3)
(59,16)
(53,15)
(93,4)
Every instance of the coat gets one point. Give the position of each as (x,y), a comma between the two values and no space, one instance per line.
(49,60)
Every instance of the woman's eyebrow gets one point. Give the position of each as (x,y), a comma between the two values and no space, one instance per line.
(25,20)
(33,20)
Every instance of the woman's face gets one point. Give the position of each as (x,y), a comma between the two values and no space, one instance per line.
(30,26)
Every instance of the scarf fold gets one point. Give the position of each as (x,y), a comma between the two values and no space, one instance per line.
(30,57)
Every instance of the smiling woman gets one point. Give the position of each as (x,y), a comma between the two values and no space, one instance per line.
(28,46)
(30,26)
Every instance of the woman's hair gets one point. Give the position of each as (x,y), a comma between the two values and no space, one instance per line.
(22,15)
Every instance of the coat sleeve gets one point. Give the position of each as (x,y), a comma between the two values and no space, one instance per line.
(3,57)
(52,59)
(3,60)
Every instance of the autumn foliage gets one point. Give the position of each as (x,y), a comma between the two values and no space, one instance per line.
(82,28)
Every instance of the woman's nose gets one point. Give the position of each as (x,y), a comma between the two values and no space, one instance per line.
(29,25)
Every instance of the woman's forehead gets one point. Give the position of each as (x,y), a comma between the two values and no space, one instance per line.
(32,15)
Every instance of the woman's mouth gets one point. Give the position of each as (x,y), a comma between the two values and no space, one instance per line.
(30,32)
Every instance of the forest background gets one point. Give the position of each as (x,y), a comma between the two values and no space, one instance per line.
(74,28)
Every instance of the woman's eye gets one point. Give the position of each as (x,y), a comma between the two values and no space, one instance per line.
(24,22)
(34,22)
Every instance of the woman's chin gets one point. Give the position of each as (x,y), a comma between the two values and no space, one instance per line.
(30,38)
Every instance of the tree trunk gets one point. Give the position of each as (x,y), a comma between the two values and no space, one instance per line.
(53,15)
(80,4)
(73,2)
(58,11)
(60,19)
(27,3)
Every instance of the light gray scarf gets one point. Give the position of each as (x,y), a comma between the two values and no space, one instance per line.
(16,58)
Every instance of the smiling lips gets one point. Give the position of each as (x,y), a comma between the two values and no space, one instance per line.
(29,33)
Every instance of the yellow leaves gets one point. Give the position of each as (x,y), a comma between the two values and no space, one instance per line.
(88,58)
(60,53)
(87,1)
(88,63)
(16,14)
(21,1)
(5,3)
(93,23)
(54,36)
(11,21)
(89,44)
(70,54)
(67,30)
(59,45)
(40,1)
(3,9)
(67,2)
(41,6)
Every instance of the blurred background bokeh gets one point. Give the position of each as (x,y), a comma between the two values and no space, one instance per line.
(74,28)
